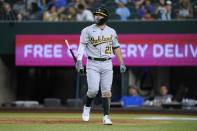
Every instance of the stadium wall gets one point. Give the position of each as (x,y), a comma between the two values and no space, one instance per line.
(10,83)
(8,30)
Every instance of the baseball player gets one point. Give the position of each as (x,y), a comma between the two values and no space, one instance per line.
(99,40)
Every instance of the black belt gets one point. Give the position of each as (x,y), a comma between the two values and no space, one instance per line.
(98,59)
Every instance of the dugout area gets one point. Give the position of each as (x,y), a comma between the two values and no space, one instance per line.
(38,83)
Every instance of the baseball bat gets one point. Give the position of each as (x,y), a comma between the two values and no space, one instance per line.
(75,59)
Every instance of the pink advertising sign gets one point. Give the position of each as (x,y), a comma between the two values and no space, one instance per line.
(137,50)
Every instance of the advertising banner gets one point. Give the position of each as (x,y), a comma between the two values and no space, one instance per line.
(137,50)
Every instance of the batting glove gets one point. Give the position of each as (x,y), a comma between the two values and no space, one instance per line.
(122,67)
(79,66)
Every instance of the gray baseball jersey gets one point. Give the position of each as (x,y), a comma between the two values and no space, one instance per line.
(99,44)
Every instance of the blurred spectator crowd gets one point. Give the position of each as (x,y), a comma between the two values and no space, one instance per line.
(81,10)
(161,99)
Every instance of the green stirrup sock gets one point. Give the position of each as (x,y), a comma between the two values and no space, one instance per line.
(88,101)
(106,105)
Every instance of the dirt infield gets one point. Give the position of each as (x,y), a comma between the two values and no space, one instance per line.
(17,120)
(113,111)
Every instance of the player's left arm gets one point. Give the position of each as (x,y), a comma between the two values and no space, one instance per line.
(118,53)
(116,48)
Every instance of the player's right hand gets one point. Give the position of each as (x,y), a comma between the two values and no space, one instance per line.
(79,66)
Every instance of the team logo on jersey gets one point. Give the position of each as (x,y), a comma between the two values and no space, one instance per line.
(100,40)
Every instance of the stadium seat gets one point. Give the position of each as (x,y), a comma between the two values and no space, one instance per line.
(52,102)
(74,103)
(27,104)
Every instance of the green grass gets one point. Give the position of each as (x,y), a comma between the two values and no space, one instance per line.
(172,125)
